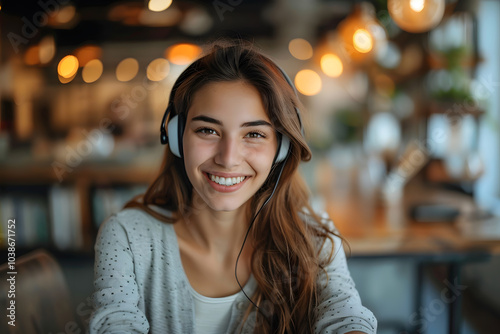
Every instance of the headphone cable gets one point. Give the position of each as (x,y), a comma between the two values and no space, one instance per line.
(246,236)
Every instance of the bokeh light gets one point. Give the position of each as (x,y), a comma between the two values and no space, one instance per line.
(127,69)
(158,69)
(362,41)
(308,82)
(182,54)
(47,49)
(68,66)
(92,71)
(159,5)
(331,65)
(300,48)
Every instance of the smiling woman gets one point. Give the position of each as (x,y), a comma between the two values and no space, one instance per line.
(228,135)
(224,240)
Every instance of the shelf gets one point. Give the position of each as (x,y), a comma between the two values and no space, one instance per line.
(139,170)
(74,199)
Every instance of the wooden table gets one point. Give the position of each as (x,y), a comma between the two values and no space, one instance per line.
(374,229)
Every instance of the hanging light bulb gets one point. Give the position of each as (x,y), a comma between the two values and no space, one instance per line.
(416,15)
(361,34)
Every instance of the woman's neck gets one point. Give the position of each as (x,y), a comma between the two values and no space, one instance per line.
(220,233)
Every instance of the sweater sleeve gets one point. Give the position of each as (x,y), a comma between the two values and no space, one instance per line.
(115,298)
(339,308)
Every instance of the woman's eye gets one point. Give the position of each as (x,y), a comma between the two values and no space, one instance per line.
(256,135)
(206,131)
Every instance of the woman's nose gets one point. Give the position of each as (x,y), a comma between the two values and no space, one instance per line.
(230,152)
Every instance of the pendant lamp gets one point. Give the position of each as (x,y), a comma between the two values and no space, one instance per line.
(416,16)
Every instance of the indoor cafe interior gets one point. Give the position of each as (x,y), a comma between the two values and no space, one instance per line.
(401,110)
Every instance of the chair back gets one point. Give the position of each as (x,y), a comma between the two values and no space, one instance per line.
(42,300)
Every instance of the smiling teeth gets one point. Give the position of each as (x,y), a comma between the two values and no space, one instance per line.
(226,181)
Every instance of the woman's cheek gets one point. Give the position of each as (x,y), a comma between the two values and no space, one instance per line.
(262,155)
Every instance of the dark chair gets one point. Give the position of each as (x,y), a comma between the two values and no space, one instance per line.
(42,300)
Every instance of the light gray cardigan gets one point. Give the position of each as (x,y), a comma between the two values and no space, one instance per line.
(140,285)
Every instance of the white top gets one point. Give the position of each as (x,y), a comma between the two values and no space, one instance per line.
(212,314)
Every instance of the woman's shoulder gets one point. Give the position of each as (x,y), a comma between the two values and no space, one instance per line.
(324,219)
(131,219)
(325,233)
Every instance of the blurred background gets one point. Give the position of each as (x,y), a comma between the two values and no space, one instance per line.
(402,114)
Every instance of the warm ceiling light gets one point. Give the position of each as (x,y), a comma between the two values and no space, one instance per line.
(158,69)
(361,34)
(416,15)
(362,41)
(92,71)
(300,48)
(67,66)
(127,69)
(87,53)
(159,5)
(331,65)
(308,82)
(182,54)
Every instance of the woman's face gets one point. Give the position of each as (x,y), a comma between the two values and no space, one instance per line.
(229,144)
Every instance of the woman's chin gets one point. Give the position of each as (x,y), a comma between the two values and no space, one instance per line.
(225,208)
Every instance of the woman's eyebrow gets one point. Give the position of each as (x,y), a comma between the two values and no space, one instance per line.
(206,119)
(216,121)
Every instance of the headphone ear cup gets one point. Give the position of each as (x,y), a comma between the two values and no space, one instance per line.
(173,136)
(283,150)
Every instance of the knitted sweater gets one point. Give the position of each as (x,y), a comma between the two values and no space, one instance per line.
(140,285)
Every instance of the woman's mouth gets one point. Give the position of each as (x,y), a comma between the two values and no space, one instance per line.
(226,181)
(226,184)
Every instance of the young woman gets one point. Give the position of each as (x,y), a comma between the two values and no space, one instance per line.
(224,240)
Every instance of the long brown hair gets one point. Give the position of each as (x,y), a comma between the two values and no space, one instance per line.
(286,261)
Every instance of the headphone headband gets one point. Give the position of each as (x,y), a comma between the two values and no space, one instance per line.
(176,123)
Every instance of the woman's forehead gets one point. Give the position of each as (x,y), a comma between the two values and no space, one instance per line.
(235,99)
